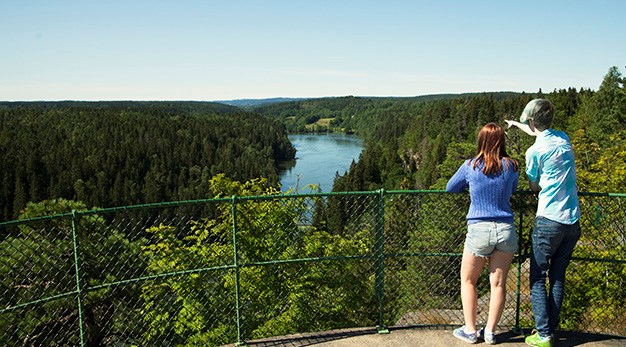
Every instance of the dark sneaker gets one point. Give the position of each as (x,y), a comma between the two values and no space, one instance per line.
(537,341)
(460,334)
(489,338)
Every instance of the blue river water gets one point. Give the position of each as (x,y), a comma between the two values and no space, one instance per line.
(318,158)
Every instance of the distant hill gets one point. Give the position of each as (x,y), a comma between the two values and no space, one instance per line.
(245,103)
(254,103)
(433,97)
(165,106)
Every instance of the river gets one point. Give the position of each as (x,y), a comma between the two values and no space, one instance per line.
(318,158)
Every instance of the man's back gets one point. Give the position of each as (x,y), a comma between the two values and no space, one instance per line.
(550,162)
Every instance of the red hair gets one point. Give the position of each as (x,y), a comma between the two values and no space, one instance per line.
(492,149)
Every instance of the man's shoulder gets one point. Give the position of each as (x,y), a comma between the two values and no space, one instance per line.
(534,149)
(558,133)
(549,139)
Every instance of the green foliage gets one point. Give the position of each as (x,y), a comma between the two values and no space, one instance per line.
(176,309)
(604,170)
(456,155)
(595,290)
(45,250)
(326,295)
(114,154)
(432,276)
(599,138)
(196,307)
(604,112)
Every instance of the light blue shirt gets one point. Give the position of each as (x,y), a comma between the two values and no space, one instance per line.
(550,164)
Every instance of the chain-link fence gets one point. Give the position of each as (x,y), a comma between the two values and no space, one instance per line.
(220,271)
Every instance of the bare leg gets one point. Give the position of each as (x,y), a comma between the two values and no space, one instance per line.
(471,266)
(499,265)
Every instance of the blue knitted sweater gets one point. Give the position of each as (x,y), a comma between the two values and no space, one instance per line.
(490,195)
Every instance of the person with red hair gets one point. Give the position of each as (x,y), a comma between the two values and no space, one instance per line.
(491,177)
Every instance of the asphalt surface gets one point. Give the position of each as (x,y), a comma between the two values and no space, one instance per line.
(430,337)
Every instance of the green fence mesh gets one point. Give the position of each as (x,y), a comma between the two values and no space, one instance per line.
(221,271)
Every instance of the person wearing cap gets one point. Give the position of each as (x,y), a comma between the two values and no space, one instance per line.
(551,171)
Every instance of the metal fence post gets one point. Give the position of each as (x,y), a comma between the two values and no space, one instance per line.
(236,265)
(520,259)
(79,293)
(379,260)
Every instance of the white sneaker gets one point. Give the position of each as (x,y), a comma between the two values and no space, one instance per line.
(490,338)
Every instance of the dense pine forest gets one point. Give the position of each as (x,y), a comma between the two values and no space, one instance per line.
(120,153)
(418,143)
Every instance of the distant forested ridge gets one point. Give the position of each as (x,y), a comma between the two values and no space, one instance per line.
(251,103)
(346,114)
(418,143)
(121,153)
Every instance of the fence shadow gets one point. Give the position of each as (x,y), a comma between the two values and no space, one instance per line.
(310,339)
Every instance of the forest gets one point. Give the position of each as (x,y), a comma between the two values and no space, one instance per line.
(418,143)
(126,152)
(123,153)
(161,276)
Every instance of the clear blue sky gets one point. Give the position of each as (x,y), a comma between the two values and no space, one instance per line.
(236,49)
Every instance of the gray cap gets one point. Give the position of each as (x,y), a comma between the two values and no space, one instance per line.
(540,111)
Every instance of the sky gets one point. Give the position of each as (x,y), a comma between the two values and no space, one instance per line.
(242,49)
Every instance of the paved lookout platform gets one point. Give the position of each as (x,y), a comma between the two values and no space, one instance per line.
(420,336)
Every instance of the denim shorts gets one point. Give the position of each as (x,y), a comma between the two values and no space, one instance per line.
(485,237)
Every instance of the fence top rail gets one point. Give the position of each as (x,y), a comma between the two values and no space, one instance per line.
(260,197)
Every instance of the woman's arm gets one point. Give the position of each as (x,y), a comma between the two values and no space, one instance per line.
(458,182)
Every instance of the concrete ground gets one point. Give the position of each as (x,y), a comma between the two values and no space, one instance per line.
(429,337)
